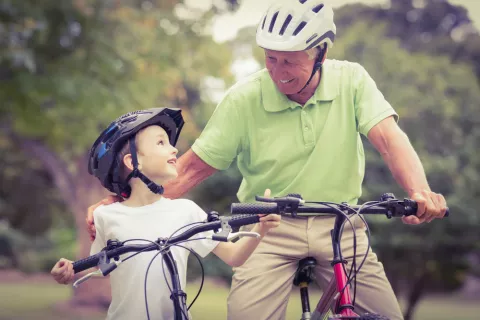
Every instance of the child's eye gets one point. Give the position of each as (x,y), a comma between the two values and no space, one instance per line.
(161,142)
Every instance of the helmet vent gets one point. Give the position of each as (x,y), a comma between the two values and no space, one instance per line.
(302,1)
(311,38)
(318,8)
(285,24)
(299,28)
(263,23)
(272,23)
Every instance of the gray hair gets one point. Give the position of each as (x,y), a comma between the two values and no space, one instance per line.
(313,52)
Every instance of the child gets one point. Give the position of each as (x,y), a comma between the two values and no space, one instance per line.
(133,157)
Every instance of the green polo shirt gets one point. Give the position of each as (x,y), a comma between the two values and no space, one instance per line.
(314,150)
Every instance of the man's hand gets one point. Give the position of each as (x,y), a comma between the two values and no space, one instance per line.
(90,222)
(431,206)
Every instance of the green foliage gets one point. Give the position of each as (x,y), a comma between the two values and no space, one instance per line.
(437,102)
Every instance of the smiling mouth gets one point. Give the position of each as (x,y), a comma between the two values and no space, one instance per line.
(286,81)
(172,161)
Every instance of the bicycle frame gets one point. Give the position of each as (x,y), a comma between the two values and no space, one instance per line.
(344,306)
(336,295)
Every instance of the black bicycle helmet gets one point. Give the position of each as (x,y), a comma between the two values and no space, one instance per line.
(103,162)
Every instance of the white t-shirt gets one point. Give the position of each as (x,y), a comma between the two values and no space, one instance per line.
(157,220)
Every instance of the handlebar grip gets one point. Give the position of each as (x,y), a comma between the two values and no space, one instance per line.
(413,210)
(84,264)
(253,208)
(242,220)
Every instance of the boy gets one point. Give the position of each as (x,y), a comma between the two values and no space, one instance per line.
(133,157)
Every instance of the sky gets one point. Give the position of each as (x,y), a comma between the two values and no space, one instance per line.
(250,12)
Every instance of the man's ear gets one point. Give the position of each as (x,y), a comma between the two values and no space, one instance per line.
(325,55)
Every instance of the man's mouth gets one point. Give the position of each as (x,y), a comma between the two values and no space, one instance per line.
(286,81)
(172,161)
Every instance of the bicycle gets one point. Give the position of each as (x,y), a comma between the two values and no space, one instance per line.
(336,301)
(222,226)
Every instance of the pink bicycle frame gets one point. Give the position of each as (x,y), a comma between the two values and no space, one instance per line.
(344,300)
(344,305)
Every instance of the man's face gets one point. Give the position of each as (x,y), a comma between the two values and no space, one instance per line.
(289,70)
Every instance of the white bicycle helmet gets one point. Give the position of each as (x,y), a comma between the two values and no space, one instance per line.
(296,25)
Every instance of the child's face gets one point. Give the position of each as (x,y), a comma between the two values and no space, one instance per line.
(156,157)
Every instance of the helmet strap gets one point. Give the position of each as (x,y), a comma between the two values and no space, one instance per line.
(317,66)
(155,188)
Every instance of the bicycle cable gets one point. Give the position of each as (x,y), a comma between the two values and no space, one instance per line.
(165,276)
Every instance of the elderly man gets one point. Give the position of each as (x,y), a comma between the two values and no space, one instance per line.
(295,127)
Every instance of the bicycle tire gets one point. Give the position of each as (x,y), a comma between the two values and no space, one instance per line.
(367,316)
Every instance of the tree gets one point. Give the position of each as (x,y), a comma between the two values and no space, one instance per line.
(436,103)
(70,69)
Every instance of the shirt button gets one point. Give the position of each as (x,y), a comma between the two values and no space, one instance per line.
(306,128)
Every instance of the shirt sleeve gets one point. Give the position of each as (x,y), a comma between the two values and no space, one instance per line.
(221,140)
(99,242)
(205,246)
(371,107)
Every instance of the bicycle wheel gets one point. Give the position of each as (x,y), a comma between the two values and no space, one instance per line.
(367,316)
(372,316)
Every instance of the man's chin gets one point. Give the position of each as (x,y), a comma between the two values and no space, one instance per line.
(286,91)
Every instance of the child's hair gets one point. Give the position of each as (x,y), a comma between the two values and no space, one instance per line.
(119,139)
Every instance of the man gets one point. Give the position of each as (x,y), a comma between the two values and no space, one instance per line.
(295,128)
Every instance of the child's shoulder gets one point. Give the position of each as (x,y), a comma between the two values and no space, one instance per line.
(186,207)
(104,210)
(181,204)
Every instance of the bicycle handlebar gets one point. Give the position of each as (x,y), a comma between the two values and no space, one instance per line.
(294,205)
(233,222)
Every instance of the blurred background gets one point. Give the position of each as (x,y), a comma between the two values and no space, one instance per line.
(68,68)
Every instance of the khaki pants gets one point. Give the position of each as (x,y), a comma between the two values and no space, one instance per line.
(261,287)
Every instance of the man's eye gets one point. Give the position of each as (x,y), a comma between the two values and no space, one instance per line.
(161,142)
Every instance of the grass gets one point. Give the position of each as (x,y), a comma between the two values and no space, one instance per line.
(28,301)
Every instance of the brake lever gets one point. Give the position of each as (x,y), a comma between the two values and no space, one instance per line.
(96,273)
(104,268)
(233,236)
(239,234)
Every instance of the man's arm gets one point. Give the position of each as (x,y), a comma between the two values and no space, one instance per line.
(191,171)
(404,163)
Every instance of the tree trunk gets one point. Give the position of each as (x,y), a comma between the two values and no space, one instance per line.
(79,190)
(415,294)
(95,293)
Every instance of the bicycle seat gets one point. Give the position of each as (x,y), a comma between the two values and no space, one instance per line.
(304,271)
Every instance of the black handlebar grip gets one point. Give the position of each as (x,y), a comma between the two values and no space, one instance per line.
(413,210)
(243,220)
(84,264)
(253,208)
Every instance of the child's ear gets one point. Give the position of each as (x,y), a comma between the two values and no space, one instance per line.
(127,161)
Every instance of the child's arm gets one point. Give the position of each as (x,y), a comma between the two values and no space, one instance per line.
(62,271)
(235,254)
